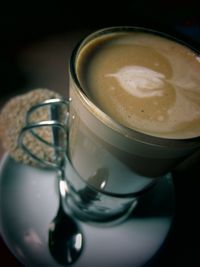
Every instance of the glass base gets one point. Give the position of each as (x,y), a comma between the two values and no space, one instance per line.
(92,217)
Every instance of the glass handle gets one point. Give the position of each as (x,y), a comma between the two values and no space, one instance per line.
(57,123)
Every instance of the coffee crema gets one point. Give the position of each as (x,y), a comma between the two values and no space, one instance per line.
(143,81)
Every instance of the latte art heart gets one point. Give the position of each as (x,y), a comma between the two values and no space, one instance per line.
(140,81)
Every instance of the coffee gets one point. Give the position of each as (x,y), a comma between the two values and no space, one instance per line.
(143,81)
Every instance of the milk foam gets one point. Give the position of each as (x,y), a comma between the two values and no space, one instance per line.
(140,81)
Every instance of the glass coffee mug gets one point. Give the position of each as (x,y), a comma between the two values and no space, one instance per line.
(108,165)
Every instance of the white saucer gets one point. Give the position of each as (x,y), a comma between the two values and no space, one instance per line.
(29,201)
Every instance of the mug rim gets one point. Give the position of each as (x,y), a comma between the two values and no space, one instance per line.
(105,118)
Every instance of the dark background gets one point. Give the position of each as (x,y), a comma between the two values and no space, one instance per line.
(23,25)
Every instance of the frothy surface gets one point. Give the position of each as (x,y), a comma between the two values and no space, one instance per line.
(140,81)
(145,82)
